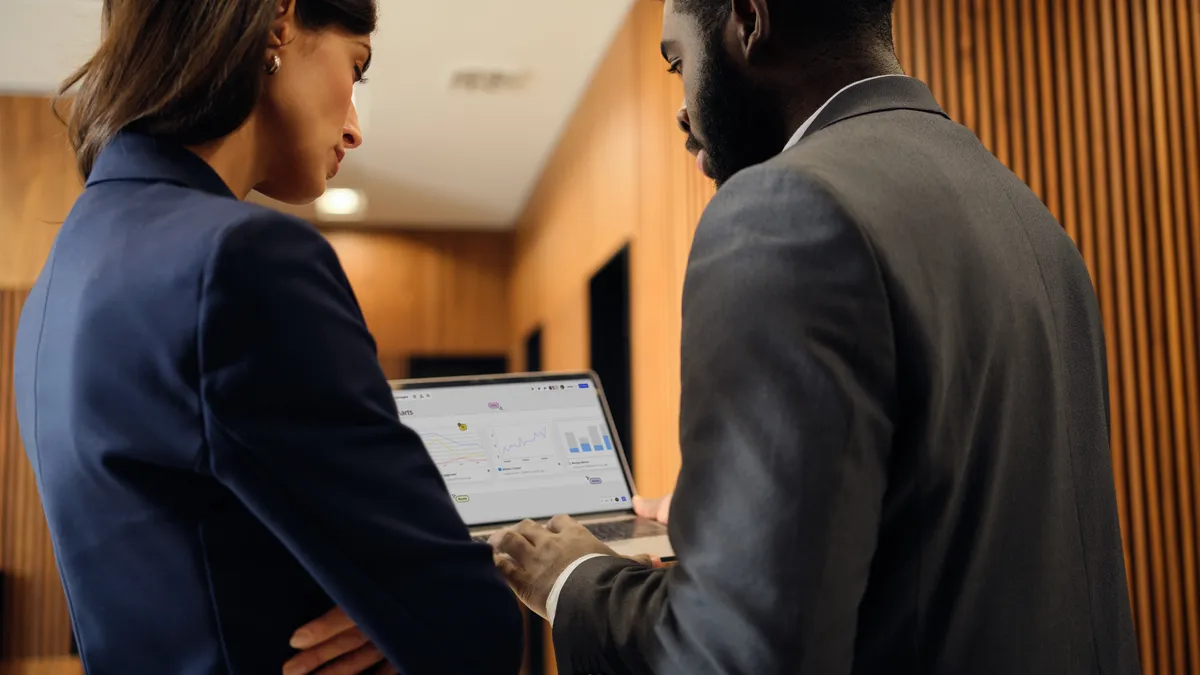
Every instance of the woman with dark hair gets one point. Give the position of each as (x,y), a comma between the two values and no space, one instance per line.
(218,453)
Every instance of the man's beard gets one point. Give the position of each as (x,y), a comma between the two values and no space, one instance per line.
(736,117)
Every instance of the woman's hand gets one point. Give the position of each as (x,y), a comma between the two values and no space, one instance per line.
(334,645)
(657,509)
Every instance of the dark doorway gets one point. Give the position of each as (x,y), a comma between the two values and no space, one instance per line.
(456,366)
(533,351)
(608,294)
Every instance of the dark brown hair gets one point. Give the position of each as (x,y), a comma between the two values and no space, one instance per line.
(185,70)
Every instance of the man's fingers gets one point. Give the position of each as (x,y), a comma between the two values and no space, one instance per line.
(319,630)
(532,531)
(560,523)
(657,509)
(646,508)
(358,661)
(512,543)
(512,573)
(509,569)
(312,659)
(647,560)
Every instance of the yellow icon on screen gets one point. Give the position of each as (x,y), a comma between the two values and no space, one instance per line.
(462,427)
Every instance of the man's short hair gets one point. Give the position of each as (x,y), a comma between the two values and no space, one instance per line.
(836,19)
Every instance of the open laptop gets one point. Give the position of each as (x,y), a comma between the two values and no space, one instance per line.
(530,446)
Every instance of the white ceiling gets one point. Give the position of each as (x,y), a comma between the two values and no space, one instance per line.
(434,156)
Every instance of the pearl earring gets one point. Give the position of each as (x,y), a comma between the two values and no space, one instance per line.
(273,65)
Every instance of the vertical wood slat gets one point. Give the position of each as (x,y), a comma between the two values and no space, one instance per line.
(986,130)
(1014,91)
(1028,85)
(968,52)
(1188,215)
(999,94)
(1065,146)
(1048,92)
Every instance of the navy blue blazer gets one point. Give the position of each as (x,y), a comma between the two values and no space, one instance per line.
(216,447)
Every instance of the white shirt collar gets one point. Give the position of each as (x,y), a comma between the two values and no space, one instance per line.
(808,123)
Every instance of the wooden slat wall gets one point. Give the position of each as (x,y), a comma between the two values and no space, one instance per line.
(1094,103)
(33,616)
(38,184)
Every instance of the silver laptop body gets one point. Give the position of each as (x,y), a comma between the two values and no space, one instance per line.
(530,446)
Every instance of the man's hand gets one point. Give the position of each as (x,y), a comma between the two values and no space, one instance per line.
(531,556)
(657,509)
(333,645)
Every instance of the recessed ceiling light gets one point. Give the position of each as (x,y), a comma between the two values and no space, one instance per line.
(341,203)
(488,80)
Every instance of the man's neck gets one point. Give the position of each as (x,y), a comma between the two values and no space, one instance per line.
(816,84)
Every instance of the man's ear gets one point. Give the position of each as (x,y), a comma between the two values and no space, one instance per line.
(752,23)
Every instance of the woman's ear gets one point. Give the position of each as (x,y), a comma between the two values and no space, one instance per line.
(283,26)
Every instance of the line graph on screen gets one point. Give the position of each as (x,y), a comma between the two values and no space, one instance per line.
(457,453)
(524,449)
(522,440)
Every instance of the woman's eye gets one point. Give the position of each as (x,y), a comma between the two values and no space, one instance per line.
(358,76)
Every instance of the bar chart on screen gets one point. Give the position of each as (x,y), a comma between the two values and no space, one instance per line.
(524,449)
(588,443)
(457,452)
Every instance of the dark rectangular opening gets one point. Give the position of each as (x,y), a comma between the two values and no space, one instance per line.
(533,351)
(456,366)
(608,295)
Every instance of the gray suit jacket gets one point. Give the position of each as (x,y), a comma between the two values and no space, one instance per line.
(894,427)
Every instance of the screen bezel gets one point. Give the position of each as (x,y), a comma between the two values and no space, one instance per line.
(524,378)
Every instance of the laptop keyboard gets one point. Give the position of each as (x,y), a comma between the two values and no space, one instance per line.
(615,531)
(626,529)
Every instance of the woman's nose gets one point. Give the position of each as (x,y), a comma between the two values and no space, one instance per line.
(351,134)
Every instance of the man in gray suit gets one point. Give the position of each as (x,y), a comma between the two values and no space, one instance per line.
(894,418)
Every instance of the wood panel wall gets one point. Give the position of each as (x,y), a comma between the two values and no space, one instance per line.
(38,184)
(33,609)
(426,293)
(1092,102)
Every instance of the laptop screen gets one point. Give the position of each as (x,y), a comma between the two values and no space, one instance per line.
(511,449)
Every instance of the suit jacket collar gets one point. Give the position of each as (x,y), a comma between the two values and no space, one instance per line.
(137,157)
(878,95)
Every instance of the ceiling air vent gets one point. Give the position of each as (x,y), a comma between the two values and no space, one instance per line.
(488,80)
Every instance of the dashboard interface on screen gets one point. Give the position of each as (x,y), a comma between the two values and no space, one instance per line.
(512,450)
